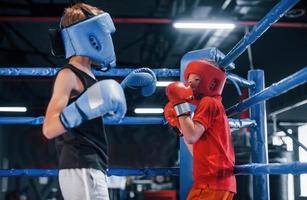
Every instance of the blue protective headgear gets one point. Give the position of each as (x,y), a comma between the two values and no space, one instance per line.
(91,38)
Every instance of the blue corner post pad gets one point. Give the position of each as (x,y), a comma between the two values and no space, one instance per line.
(211,54)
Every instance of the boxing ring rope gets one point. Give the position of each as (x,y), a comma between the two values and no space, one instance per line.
(282,86)
(273,16)
(172,171)
(240,81)
(234,123)
(248,169)
(125,121)
(272,168)
(114,72)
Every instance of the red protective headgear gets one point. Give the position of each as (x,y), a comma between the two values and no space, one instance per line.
(212,78)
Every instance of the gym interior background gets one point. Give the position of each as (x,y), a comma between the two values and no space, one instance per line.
(145,37)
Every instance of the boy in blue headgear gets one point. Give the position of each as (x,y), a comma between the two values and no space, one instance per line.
(74,114)
(79,101)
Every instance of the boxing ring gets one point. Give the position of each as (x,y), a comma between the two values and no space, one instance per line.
(258,94)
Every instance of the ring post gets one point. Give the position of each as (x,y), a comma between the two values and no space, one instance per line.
(258,140)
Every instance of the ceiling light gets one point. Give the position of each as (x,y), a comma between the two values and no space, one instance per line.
(148,110)
(13,109)
(199,25)
(289,130)
(163,83)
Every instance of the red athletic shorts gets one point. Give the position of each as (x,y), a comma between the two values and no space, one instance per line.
(209,194)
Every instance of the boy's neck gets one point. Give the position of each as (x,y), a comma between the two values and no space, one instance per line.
(81,62)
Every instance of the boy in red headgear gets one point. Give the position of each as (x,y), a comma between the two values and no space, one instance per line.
(207,133)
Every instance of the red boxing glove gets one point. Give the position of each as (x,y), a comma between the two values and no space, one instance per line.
(178,93)
(171,117)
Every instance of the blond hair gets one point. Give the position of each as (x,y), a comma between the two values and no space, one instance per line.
(75,13)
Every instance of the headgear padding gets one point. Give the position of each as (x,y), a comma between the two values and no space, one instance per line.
(91,38)
(212,78)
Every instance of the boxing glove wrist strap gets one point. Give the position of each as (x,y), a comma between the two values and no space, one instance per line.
(182,109)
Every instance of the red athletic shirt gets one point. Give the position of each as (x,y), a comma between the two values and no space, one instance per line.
(213,154)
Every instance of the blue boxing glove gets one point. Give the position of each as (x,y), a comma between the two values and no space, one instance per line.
(143,78)
(102,98)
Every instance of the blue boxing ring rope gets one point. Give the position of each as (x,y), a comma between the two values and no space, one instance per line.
(256,103)
(255,169)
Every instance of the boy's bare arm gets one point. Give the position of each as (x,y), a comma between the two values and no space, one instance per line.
(192,131)
(63,86)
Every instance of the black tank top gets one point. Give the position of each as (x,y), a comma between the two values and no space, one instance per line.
(85,146)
